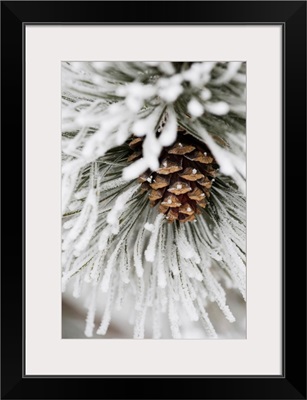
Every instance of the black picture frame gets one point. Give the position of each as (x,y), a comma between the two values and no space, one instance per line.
(291,15)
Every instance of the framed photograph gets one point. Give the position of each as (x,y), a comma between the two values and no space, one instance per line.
(163,185)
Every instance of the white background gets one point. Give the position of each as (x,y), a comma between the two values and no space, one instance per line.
(46,352)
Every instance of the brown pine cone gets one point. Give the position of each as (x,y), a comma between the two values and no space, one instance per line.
(182,183)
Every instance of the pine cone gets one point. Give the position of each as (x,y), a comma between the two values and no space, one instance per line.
(181,186)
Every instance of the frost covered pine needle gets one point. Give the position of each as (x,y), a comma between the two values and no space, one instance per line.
(153,183)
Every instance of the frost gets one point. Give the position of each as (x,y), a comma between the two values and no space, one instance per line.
(109,268)
(149,227)
(90,319)
(136,93)
(230,73)
(205,94)
(219,108)
(114,246)
(174,320)
(139,128)
(119,207)
(169,132)
(68,185)
(150,252)
(199,74)
(161,258)
(206,321)
(152,63)
(151,151)
(85,224)
(166,67)
(100,66)
(114,183)
(107,313)
(169,89)
(185,249)
(230,163)
(195,108)
(135,169)
(138,254)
